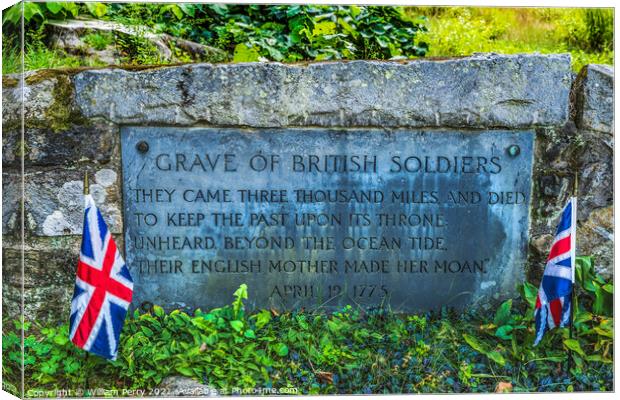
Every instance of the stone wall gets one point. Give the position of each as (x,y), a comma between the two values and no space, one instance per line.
(72,120)
(582,149)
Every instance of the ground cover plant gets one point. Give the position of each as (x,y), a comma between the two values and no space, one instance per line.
(585,33)
(290,33)
(350,350)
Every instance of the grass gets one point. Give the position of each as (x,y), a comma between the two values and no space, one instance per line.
(462,31)
(99,41)
(11,59)
(37,56)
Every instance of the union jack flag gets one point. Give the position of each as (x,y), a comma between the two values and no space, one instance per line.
(103,289)
(553,303)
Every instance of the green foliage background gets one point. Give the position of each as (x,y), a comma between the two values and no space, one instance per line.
(290,33)
(585,33)
(347,351)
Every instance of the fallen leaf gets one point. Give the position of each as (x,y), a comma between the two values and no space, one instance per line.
(274,312)
(503,387)
(325,377)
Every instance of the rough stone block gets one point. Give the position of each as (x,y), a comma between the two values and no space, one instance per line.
(594,91)
(44,147)
(48,100)
(12,277)
(11,196)
(595,237)
(55,205)
(11,147)
(481,91)
(595,165)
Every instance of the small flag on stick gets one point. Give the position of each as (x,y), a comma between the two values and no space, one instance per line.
(553,304)
(103,287)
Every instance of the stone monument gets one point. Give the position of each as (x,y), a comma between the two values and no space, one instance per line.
(412,184)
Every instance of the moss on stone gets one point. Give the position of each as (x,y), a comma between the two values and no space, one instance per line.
(46,74)
(9,81)
(21,149)
(61,114)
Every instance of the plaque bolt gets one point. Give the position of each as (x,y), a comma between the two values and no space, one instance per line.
(513,150)
(142,146)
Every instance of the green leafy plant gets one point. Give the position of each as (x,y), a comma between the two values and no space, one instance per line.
(595,287)
(350,350)
(39,12)
(592,340)
(36,54)
(136,49)
(97,9)
(98,41)
(285,33)
(290,33)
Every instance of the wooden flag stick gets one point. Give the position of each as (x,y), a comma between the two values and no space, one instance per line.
(86,191)
(574,291)
(87,356)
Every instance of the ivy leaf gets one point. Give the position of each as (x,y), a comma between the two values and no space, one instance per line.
(497,357)
(502,316)
(13,14)
(324,28)
(157,310)
(49,367)
(244,53)
(529,293)
(147,331)
(174,9)
(219,9)
(54,7)
(475,344)
(582,316)
(347,28)
(189,9)
(61,339)
(281,349)
(71,366)
(603,301)
(604,332)
(72,8)
(236,325)
(249,334)
(504,332)
(583,270)
(262,318)
(185,371)
(598,358)
(381,41)
(97,9)
(30,10)
(574,345)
